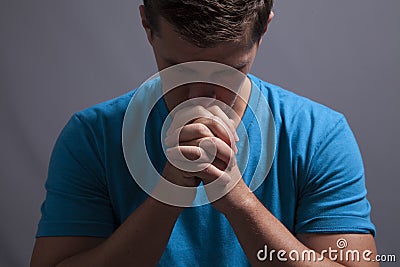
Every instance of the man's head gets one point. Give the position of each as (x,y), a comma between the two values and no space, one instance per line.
(206,23)
(227,32)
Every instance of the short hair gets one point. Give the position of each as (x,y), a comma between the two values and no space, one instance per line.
(207,23)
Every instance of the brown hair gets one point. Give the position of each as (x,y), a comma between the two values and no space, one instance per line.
(206,23)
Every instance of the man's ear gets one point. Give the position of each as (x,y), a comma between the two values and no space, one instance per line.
(271,16)
(145,24)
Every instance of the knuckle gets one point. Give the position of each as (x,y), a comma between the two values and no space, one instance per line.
(178,113)
(214,109)
(220,122)
(198,110)
(214,140)
(203,130)
(209,144)
(214,121)
(197,153)
(207,170)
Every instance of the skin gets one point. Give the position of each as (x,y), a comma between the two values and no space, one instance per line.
(253,224)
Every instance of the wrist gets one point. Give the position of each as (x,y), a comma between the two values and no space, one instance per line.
(239,199)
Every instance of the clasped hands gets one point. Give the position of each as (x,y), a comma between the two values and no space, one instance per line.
(202,149)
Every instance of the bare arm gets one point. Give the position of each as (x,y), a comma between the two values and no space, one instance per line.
(256,227)
(140,240)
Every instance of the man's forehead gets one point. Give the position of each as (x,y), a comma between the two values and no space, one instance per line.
(237,64)
(169,34)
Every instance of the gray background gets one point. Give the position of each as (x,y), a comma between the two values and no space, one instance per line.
(57,57)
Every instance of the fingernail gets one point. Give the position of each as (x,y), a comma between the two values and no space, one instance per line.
(236,137)
(232,164)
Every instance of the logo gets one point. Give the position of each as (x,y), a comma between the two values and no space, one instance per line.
(144,101)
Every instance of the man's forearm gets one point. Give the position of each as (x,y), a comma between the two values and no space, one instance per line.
(255,227)
(139,241)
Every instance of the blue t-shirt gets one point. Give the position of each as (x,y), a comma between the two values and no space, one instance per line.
(316,182)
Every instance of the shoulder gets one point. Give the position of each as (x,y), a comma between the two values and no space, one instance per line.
(93,129)
(286,103)
(297,115)
(105,112)
(306,129)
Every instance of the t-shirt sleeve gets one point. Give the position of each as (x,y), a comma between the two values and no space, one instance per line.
(77,201)
(332,198)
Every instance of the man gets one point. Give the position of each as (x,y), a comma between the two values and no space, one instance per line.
(96,215)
